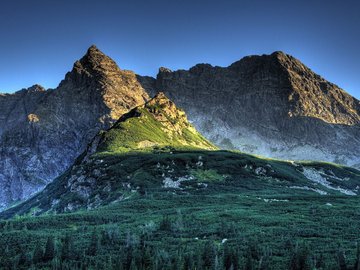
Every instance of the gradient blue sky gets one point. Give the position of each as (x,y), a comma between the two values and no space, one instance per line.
(41,39)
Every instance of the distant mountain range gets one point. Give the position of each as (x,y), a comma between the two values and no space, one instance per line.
(270,105)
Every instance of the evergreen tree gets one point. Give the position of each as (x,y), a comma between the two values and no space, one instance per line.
(230,258)
(67,248)
(357,261)
(208,256)
(300,259)
(94,244)
(188,262)
(341,260)
(23,259)
(49,253)
(249,262)
(55,264)
(264,260)
(146,258)
(38,254)
(217,265)
(133,265)
(165,224)
(227,257)
(319,263)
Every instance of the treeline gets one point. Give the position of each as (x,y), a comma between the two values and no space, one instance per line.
(207,255)
(160,246)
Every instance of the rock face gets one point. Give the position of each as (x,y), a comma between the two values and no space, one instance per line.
(156,124)
(42,132)
(270,105)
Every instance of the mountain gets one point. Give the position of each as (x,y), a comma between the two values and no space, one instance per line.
(43,131)
(270,105)
(152,192)
(153,149)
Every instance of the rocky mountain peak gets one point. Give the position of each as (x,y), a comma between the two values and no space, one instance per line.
(33,89)
(94,65)
(160,101)
(97,76)
(165,111)
(95,61)
(313,96)
(36,88)
(157,123)
(306,93)
(164,70)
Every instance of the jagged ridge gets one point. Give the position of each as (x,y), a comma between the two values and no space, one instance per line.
(271,105)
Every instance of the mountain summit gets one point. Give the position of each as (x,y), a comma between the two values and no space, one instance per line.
(93,64)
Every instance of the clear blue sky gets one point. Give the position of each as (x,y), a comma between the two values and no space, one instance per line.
(40,39)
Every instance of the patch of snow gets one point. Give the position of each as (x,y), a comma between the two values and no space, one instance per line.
(224,241)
